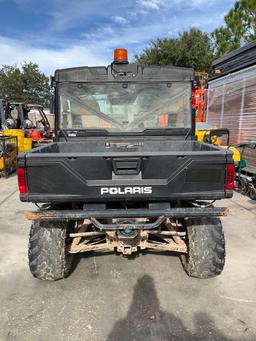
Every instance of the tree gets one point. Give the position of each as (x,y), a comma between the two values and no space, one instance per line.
(239,28)
(26,84)
(191,49)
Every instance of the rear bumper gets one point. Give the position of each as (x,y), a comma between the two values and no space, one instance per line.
(65,215)
(162,194)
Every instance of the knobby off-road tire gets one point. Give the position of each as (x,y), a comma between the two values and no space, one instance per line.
(47,254)
(206,248)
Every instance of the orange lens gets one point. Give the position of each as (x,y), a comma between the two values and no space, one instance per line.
(120,55)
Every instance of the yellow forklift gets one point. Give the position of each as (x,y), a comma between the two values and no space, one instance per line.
(14,122)
(245,174)
(8,148)
(206,133)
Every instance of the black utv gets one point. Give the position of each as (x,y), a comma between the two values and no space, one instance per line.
(125,173)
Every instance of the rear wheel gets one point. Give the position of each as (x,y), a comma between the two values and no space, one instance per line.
(206,248)
(242,186)
(47,250)
(252,192)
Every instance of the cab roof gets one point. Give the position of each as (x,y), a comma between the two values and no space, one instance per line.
(124,73)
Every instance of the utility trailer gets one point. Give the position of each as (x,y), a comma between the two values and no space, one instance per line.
(231,104)
(125,173)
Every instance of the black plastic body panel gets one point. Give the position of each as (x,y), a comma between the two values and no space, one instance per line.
(174,170)
(125,72)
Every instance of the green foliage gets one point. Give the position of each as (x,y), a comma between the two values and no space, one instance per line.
(191,49)
(239,28)
(26,84)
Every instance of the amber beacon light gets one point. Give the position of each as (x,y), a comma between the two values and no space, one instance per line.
(120,56)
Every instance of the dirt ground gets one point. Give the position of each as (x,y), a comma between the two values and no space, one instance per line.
(109,297)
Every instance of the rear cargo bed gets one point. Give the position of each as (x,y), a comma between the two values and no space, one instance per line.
(160,169)
(107,146)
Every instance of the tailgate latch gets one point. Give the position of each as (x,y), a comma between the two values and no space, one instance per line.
(126,166)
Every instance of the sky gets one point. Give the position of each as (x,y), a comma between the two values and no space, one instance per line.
(68,33)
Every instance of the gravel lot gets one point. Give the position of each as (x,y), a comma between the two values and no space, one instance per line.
(109,297)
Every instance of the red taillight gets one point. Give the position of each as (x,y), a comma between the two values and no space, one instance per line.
(230,177)
(22,180)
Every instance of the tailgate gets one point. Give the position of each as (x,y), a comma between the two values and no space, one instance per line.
(126,176)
